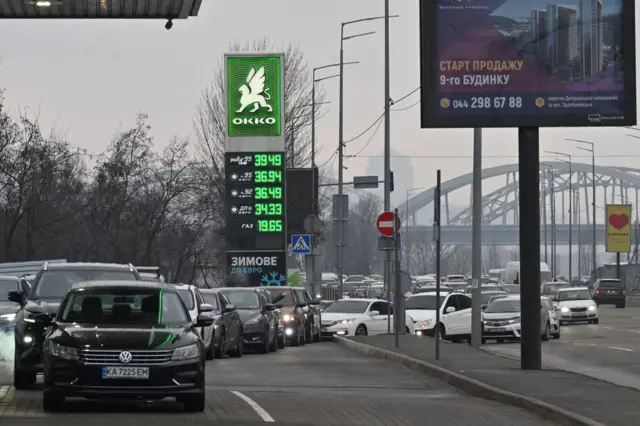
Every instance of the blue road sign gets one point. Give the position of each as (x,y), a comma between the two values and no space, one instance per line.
(301,244)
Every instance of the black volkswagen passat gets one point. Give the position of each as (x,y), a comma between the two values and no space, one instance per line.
(125,339)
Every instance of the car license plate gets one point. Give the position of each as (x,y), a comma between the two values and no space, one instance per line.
(499,330)
(125,372)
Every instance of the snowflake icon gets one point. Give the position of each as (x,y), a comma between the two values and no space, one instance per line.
(272,279)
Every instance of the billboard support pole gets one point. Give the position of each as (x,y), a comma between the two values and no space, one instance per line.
(436,220)
(528,183)
(476,243)
(618,266)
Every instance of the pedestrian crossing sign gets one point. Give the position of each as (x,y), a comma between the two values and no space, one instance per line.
(301,244)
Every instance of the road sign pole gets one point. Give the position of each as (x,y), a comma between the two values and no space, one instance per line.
(436,220)
(398,296)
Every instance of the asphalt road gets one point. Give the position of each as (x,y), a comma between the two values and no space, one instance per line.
(608,351)
(319,384)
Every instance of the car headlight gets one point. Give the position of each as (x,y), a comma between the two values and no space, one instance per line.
(187,352)
(514,321)
(8,317)
(62,351)
(252,321)
(423,324)
(348,321)
(592,308)
(564,309)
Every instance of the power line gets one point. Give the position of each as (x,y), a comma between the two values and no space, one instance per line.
(495,156)
(330,158)
(406,108)
(382,115)
(370,138)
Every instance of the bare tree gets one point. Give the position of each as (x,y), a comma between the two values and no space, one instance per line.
(492,258)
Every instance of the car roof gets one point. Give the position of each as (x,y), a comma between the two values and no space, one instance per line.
(9,278)
(573,289)
(208,290)
(495,292)
(184,286)
(254,289)
(433,293)
(80,266)
(128,284)
(510,297)
(362,300)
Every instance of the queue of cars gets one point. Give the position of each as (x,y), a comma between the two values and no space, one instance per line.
(98,330)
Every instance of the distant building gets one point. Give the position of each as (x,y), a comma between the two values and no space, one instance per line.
(591,37)
(539,27)
(562,31)
(402,175)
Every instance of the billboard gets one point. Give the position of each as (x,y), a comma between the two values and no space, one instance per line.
(527,63)
(618,228)
(300,200)
(254,95)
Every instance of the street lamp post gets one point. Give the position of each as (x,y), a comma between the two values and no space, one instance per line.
(592,150)
(313,103)
(552,206)
(570,162)
(341,226)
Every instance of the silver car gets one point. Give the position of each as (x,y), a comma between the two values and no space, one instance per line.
(501,320)
(554,318)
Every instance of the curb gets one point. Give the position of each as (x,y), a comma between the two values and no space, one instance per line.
(473,387)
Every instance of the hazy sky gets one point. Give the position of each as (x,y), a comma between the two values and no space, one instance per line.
(91,76)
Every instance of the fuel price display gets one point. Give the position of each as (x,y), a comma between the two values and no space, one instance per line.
(255,201)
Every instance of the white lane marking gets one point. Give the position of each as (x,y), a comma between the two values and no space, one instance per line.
(620,349)
(585,344)
(257,408)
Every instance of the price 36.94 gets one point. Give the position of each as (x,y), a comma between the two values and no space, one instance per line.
(487,102)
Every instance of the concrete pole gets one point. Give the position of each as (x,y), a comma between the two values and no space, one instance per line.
(476,244)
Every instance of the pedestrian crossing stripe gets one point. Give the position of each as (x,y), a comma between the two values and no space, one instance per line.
(301,244)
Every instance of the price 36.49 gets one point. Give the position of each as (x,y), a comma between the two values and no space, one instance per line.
(497,102)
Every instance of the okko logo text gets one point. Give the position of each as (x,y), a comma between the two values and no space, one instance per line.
(254,90)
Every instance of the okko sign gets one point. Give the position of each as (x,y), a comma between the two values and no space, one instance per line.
(518,63)
(254,95)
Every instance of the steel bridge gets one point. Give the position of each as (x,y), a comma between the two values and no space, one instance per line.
(614,185)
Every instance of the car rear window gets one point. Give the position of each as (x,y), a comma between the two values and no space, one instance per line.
(610,284)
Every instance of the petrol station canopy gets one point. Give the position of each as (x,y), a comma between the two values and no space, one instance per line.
(99,9)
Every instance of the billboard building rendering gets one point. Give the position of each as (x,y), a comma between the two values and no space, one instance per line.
(531,63)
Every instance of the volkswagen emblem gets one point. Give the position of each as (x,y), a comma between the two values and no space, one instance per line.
(125,357)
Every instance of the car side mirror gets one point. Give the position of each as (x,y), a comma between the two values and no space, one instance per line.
(204,320)
(205,307)
(449,310)
(16,296)
(314,302)
(44,318)
(270,307)
(374,313)
(279,305)
(302,305)
(483,307)
(230,307)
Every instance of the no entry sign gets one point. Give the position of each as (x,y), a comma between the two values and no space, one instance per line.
(385,224)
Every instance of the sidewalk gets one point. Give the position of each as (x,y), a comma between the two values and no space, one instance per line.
(605,403)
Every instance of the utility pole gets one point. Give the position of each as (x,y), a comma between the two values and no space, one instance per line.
(476,244)
(387,143)
(570,161)
(592,150)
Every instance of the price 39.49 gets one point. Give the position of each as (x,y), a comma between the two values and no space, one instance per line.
(487,102)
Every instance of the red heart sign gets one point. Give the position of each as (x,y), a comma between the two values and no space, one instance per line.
(618,221)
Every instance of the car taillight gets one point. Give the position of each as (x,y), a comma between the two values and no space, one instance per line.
(624,292)
(597,291)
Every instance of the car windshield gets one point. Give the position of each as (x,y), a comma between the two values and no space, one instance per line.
(348,307)
(187,299)
(485,297)
(211,299)
(243,299)
(610,284)
(54,284)
(503,306)
(553,288)
(425,302)
(6,286)
(569,295)
(288,296)
(124,305)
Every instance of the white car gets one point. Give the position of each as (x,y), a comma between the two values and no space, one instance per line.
(359,317)
(455,314)
(554,319)
(502,320)
(192,299)
(575,304)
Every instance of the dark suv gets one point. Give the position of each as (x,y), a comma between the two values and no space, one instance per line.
(41,303)
(610,291)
